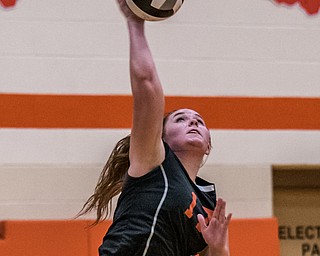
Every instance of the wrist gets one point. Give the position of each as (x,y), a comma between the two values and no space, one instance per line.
(135,21)
(216,252)
(135,26)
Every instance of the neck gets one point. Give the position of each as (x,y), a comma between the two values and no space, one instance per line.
(191,162)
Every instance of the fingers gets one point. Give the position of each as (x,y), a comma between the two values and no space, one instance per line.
(228,219)
(202,222)
(220,212)
(219,215)
(130,16)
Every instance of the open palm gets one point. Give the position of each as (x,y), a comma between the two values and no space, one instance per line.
(215,232)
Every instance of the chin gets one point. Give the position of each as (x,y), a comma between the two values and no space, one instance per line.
(198,144)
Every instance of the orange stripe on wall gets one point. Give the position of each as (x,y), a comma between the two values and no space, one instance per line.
(114,111)
(248,237)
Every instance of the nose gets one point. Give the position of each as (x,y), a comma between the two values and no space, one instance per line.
(193,122)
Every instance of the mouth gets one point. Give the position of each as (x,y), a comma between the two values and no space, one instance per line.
(194,131)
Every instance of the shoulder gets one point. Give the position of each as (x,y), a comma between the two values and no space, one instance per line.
(143,163)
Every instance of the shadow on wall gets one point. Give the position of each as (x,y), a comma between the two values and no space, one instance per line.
(2,230)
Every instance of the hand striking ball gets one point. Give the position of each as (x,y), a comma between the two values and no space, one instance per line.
(154,10)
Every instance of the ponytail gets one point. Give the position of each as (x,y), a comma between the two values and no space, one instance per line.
(110,182)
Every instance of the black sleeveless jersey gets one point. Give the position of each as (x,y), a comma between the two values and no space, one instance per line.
(156,214)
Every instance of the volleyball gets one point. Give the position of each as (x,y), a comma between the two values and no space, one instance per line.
(154,10)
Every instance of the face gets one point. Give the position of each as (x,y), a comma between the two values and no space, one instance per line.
(185,129)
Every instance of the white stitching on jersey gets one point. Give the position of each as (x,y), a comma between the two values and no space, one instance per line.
(165,192)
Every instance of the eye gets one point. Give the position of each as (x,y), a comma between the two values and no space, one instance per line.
(200,121)
(179,119)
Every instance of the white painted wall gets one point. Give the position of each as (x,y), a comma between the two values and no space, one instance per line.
(225,48)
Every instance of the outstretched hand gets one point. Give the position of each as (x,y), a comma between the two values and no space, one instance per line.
(129,15)
(215,232)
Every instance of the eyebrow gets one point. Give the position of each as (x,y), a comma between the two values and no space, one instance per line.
(181,113)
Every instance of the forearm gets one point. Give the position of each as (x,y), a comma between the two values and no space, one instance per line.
(148,102)
(145,85)
(142,66)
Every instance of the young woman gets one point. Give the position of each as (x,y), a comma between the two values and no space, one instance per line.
(164,209)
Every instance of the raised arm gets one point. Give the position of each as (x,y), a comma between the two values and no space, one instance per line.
(146,147)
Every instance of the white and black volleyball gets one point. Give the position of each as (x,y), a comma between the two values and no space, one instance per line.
(154,10)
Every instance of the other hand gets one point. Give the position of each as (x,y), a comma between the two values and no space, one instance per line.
(215,232)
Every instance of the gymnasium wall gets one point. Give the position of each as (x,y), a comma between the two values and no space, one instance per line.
(250,67)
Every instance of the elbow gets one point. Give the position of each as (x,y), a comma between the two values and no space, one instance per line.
(146,86)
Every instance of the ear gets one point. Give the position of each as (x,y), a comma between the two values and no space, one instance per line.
(208,149)
(209,146)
